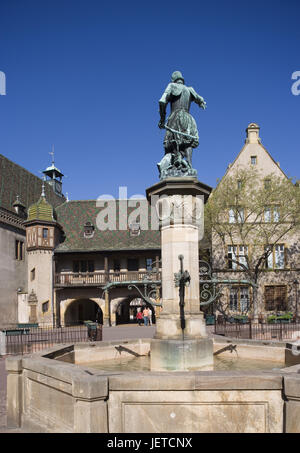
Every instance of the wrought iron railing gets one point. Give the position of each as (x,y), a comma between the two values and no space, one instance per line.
(26,340)
(258,331)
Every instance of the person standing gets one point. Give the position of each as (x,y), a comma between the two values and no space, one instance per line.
(150,316)
(146,316)
(139,317)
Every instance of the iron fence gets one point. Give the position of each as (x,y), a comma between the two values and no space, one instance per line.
(258,331)
(27,340)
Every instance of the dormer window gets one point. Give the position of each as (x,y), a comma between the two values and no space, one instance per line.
(134,229)
(88,230)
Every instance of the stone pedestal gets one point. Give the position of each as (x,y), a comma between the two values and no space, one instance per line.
(179,203)
(178,355)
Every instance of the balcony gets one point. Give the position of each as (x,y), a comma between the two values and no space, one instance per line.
(80,279)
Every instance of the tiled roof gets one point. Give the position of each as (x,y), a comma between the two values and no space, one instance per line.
(41,210)
(73,215)
(16,180)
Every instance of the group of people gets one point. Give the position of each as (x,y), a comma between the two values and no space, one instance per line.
(144,316)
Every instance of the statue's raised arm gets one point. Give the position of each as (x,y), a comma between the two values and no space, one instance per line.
(197,98)
(181,129)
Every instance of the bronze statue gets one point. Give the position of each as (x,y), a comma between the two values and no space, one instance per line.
(181,129)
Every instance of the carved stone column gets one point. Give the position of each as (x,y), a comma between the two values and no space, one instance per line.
(179,204)
(32,302)
(106,317)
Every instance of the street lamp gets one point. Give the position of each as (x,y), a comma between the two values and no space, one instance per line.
(296,292)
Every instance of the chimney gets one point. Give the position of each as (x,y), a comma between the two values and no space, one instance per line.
(253,133)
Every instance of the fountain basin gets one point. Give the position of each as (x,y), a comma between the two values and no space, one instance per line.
(60,391)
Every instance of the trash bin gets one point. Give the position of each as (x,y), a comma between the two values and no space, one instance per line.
(94,331)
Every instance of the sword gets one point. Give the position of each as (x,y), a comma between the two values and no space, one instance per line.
(178,132)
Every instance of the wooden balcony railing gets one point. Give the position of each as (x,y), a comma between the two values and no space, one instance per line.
(64,279)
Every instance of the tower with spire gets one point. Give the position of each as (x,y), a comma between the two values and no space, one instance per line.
(54,176)
(43,234)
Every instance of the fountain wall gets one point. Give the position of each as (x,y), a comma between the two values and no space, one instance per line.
(59,391)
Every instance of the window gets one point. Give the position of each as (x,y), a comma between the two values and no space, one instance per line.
(32,274)
(237,253)
(233,301)
(276,257)
(45,306)
(243,252)
(267,183)
(231,216)
(117,266)
(19,250)
(134,229)
(149,264)
(279,256)
(275,298)
(271,214)
(253,160)
(236,215)
(239,299)
(133,264)
(45,233)
(83,266)
(244,299)
(88,230)
(240,215)
(276,214)
(239,184)
(267,214)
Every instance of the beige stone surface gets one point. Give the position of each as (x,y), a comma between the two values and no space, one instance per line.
(292,410)
(41,261)
(199,411)
(180,239)
(62,397)
(108,350)
(252,351)
(175,355)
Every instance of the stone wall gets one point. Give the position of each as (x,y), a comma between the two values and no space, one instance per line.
(13,273)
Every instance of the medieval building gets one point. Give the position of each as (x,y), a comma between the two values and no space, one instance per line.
(247,233)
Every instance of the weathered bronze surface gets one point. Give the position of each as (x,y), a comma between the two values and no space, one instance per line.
(182,279)
(181,129)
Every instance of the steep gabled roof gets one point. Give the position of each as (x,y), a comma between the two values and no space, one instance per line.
(16,180)
(253,146)
(73,215)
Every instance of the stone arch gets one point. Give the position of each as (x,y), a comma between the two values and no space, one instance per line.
(125,313)
(82,309)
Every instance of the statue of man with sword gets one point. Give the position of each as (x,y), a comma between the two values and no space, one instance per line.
(181,129)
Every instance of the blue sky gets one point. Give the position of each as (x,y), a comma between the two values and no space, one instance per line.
(87,75)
